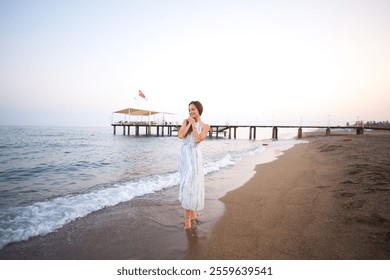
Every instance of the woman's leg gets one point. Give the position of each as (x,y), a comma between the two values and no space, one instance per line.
(187,219)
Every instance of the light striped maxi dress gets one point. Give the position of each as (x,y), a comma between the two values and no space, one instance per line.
(191,192)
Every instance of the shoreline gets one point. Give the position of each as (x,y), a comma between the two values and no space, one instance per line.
(146,227)
(264,217)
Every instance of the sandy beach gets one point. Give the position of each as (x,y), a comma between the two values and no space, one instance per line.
(328,199)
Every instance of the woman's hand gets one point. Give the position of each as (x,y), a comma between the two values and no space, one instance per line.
(185,127)
(191,121)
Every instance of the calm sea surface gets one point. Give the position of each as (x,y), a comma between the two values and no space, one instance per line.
(49,176)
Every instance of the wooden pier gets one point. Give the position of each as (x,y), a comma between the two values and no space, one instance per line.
(229,131)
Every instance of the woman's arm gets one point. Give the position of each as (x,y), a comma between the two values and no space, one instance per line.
(199,137)
(185,126)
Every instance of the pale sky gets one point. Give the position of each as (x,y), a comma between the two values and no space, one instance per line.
(75,62)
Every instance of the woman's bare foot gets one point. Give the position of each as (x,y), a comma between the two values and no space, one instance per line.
(194,215)
(187,224)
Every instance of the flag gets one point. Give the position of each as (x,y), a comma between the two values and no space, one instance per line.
(141,94)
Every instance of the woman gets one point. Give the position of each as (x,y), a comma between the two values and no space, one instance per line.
(191,193)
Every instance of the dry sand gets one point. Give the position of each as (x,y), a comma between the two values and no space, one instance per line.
(328,199)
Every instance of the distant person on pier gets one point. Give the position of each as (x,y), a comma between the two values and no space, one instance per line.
(192,192)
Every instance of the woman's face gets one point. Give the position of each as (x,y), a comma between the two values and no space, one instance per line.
(194,113)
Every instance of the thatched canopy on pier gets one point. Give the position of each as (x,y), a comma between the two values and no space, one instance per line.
(138,112)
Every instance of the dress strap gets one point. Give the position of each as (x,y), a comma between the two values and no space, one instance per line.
(198,126)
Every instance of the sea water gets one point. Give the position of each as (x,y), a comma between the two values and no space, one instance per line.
(50,176)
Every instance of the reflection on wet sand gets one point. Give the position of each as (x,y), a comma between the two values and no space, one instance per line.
(193,240)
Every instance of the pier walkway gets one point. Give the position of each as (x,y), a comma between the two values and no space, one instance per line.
(229,131)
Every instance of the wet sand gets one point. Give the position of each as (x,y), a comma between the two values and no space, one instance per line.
(328,199)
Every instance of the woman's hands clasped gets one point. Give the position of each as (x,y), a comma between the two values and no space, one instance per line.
(191,121)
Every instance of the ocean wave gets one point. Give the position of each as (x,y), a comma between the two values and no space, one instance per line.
(40,218)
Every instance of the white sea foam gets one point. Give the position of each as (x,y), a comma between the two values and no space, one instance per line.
(20,223)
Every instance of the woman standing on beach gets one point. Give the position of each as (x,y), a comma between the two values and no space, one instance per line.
(191,192)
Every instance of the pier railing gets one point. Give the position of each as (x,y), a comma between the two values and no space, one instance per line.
(229,131)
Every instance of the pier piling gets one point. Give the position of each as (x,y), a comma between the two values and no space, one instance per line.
(275,133)
(300,133)
(359,131)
